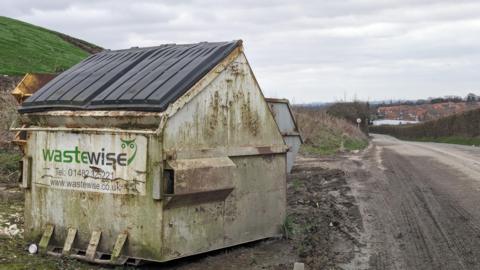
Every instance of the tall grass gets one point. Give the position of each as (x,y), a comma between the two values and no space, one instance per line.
(326,134)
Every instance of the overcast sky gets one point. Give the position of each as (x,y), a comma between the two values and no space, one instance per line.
(306,51)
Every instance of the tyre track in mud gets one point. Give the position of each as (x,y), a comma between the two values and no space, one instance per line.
(418,211)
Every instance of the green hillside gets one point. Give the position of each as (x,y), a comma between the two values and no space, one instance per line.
(29,48)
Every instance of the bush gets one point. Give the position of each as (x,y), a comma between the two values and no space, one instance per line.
(464,125)
(351,111)
(326,134)
(9,166)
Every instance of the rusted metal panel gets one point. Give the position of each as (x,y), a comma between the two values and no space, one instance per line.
(117,249)
(257,206)
(26,172)
(229,118)
(221,141)
(47,235)
(200,175)
(283,115)
(93,245)
(196,198)
(285,119)
(77,130)
(294,142)
(222,151)
(231,111)
(30,83)
(67,247)
(125,120)
(193,229)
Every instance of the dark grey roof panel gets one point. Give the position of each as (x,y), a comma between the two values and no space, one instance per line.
(144,79)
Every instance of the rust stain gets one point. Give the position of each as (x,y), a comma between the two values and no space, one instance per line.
(264,150)
(214,112)
(30,83)
(198,198)
(249,117)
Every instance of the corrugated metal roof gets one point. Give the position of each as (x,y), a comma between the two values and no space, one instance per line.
(144,79)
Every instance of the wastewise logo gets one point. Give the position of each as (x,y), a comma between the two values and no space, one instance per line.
(132,145)
(80,156)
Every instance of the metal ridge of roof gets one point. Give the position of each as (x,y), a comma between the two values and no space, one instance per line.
(136,79)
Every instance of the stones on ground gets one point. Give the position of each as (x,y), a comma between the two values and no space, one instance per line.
(3,234)
(10,231)
(298,266)
(13,230)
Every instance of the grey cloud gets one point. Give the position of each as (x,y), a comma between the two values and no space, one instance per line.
(303,50)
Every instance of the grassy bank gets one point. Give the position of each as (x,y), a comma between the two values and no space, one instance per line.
(463,128)
(29,48)
(325,134)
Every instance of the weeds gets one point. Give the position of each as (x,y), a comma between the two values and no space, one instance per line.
(288,227)
(9,165)
(297,184)
(325,134)
(330,145)
(355,144)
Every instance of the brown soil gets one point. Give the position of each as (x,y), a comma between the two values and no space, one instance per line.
(88,47)
(7,83)
(327,220)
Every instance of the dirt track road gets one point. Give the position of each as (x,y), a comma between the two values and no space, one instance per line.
(420,205)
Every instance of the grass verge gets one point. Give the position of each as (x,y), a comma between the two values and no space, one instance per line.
(327,135)
(330,147)
(453,140)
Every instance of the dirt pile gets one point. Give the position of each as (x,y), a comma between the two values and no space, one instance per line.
(324,221)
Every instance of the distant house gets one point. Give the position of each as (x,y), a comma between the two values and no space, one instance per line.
(392,122)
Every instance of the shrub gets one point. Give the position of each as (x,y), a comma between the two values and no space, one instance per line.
(464,125)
